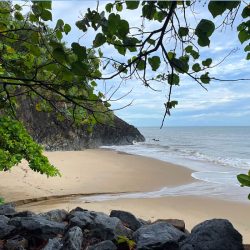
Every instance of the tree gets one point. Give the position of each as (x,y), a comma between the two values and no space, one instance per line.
(35,63)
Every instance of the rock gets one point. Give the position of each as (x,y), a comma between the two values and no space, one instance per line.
(7,209)
(45,128)
(57,215)
(73,239)
(101,225)
(5,229)
(104,245)
(4,219)
(54,244)
(38,227)
(128,219)
(16,243)
(213,235)
(24,214)
(179,224)
(160,236)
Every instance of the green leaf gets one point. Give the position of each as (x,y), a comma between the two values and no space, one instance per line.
(173,79)
(18,16)
(203,41)
(248,56)
(59,34)
(217,7)
(154,62)
(67,28)
(123,28)
(183,31)
(79,68)
(180,65)
(46,15)
(189,49)
(246,12)
(148,11)
(79,50)
(140,65)
(132,5)
(205,27)
(100,39)
(205,78)
(247,48)
(244,179)
(243,36)
(119,6)
(207,62)
(151,41)
(196,67)
(195,54)
(109,7)
(59,55)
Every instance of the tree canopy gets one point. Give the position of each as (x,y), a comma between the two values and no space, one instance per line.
(35,63)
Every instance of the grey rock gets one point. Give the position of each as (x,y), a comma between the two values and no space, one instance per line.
(5,229)
(16,243)
(53,244)
(57,215)
(101,225)
(37,226)
(128,219)
(179,224)
(158,236)
(24,214)
(73,239)
(216,234)
(7,209)
(104,245)
(4,219)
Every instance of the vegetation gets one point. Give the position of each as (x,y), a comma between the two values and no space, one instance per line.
(36,64)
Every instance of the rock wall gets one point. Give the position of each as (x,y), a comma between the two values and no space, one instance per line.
(55,135)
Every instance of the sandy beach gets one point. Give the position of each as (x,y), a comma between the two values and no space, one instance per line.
(105,171)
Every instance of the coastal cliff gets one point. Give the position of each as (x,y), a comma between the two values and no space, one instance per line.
(55,135)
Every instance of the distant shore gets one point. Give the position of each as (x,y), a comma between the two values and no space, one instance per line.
(105,171)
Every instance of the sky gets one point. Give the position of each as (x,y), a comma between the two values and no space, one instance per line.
(224,104)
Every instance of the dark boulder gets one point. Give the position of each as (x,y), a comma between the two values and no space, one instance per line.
(101,225)
(73,239)
(57,215)
(104,245)
(7,209)
(158,236)
(16,243)
(216,234)
(5,229)
(54,244)
(128,219)
(37,226)
(179,224)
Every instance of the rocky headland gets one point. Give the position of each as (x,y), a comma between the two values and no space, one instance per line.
(47,130)
(82,229)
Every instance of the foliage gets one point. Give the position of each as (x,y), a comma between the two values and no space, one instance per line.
(16,144)
(124,243)
(1,201)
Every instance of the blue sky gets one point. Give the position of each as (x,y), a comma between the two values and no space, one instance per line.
(225,103)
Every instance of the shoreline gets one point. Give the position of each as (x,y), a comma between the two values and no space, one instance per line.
(110,172)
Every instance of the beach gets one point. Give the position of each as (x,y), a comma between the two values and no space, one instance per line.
(92,172)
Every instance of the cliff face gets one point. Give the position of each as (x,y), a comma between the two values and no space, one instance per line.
(55,135)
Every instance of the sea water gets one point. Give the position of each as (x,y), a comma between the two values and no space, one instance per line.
(215,154)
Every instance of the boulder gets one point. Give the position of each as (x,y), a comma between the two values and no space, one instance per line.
(16,243)
(4,219)
(213,235)
(7,209)
(101,225)
(37,226)
(57,215)
(24,214)
(54,244)
(158,236)
(5,229)
(128,219)
(73,239)
(104,245)
(179,224)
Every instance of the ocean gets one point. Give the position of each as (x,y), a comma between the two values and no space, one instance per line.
(215,154)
